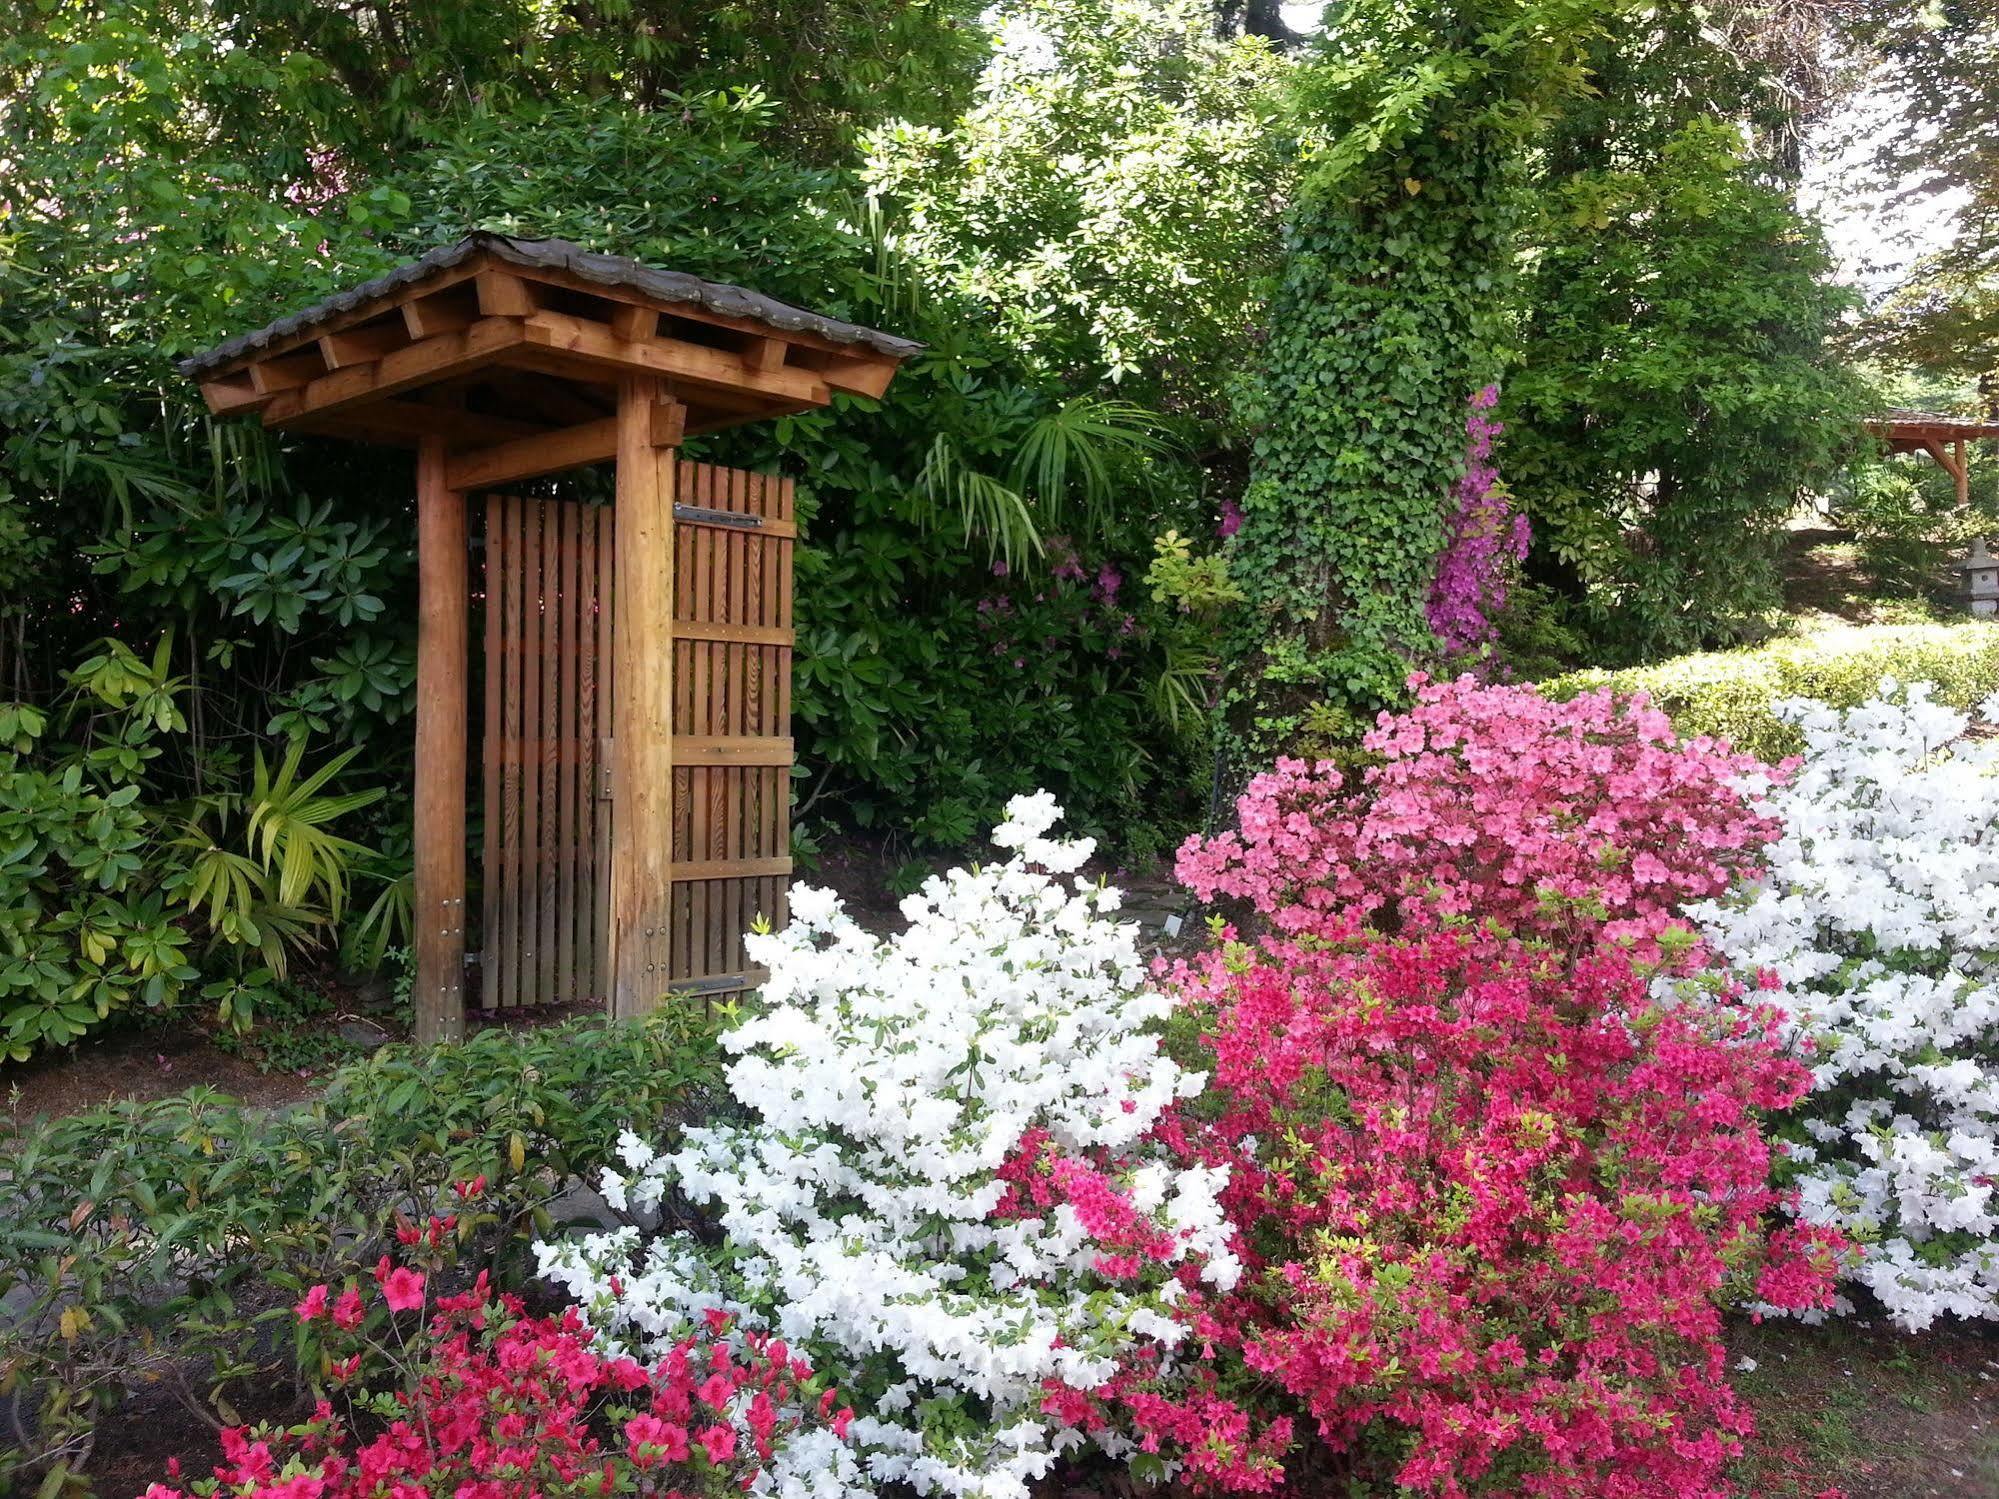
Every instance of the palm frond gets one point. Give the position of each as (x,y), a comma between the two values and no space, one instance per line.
(981,505)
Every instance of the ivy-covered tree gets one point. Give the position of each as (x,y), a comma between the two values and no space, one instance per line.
(1398,258)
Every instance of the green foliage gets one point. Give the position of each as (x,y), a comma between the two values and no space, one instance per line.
(1398,255)
(166,1242)
(1940,63)
(1675,382)
(1111,199)
(107,890)
(910,714)
(1729,693)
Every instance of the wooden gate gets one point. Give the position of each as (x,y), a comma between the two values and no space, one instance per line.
(547,931)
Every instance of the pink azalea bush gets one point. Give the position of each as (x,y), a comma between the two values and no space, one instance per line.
(1585,819)
(1493,1128)
(496,1404)
(1491,1201)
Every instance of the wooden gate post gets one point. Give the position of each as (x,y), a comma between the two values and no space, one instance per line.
(649,429)
(438,908)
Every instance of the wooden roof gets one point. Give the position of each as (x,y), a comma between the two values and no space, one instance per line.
(495,339)
(1914,431)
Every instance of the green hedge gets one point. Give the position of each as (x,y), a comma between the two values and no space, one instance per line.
(164,1244)
(1729,693)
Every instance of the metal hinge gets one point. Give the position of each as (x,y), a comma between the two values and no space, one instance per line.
(710,517)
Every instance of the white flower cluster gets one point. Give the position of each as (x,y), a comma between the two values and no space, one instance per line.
(887,1081)
(1879,922)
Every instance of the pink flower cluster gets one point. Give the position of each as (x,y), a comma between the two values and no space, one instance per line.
(1489,1203)
(1579,820)
(1491,1194)
(499,1405)
(1486,536)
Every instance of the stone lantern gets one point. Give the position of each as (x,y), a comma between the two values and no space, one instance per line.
(1980,589)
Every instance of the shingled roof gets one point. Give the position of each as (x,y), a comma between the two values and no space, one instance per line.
(559,255)
(493,338)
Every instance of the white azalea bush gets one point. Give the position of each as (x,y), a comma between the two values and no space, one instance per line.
(944,1194)
(1877,929)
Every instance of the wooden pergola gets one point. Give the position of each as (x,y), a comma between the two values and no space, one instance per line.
(501,360)
(1947,439)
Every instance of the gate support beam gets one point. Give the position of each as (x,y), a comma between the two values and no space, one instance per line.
(642,698)
(438,909)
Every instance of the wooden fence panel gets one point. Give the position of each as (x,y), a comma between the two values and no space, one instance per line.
(733,539)
(546,714)
(547,728)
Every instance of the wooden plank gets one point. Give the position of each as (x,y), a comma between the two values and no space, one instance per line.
(489,765)
(690,364)
(506,944)
(550,747)
(743,634)
(732,749)
(642,694)
(532,729)
(439,811)
(604,956)
(569,516)
(586,753)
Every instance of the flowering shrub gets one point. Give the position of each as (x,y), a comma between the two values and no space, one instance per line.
(1491,1203)
(1877,929)
(497,1404)
(944,1191)
(1486,535)
(1580,818)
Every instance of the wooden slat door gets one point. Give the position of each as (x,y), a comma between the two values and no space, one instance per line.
(732,626)
(547,935)
(547,716)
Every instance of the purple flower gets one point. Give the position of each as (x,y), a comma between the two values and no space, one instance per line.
(1231,520)
(1000,568)
(1485,536)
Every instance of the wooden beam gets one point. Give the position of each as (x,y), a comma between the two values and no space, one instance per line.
(406,423)
(362,345)
(641,705)
(232,396)
(629,321)
(1962,473)
(426,317)
(441,696)
(864,377)
(551,452)
(504,295)
(286,372)
(690,364)
(422,363)
(1952,466)
(692,312)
